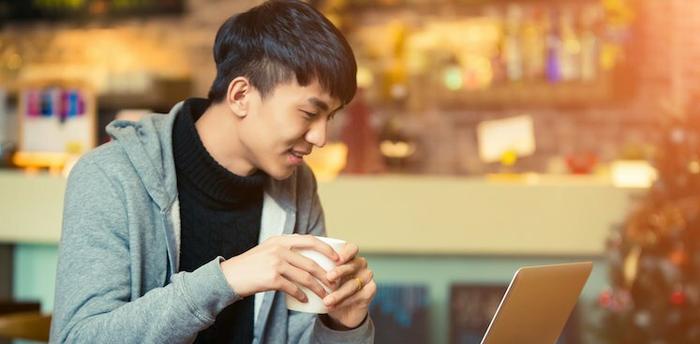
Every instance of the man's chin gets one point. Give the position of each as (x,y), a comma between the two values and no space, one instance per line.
(282,173)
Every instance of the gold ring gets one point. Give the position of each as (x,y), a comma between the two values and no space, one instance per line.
(360,284)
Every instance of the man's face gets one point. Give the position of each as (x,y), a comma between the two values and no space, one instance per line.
(284,127)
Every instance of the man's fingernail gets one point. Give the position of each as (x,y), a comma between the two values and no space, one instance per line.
(328,300)
(331,275)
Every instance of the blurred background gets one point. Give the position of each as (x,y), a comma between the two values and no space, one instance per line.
(486,135)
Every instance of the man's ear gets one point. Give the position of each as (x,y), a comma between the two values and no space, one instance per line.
(238,96)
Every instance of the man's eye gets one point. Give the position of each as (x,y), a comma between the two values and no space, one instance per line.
(309,114)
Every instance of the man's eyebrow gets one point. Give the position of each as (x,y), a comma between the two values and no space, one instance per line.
(320,104)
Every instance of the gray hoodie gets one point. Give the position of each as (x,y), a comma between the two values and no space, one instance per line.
(117,279)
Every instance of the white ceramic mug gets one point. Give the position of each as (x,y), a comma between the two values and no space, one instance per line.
(315,304)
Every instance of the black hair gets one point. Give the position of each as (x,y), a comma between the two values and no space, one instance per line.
(280,40)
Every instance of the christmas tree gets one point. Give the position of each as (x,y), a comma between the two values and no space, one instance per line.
(654,257)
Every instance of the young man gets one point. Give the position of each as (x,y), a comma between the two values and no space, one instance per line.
(185,227)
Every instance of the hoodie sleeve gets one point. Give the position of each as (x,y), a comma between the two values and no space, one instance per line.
(94,297)
(309,327)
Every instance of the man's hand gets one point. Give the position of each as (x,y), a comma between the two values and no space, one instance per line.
(348,305)
(274,265)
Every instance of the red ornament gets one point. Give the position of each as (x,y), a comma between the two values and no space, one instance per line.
(581,163)
(605,299)
(678,298)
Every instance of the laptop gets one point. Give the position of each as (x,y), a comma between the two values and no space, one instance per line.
(537,304)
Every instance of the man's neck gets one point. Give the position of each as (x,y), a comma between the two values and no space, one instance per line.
(218,131)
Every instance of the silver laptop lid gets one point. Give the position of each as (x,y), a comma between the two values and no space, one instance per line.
(537,304)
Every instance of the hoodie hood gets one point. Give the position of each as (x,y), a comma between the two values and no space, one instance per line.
(148,144)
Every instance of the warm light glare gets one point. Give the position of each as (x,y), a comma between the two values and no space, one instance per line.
(327,162)
(365,79)
(633,174)
(398,149)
